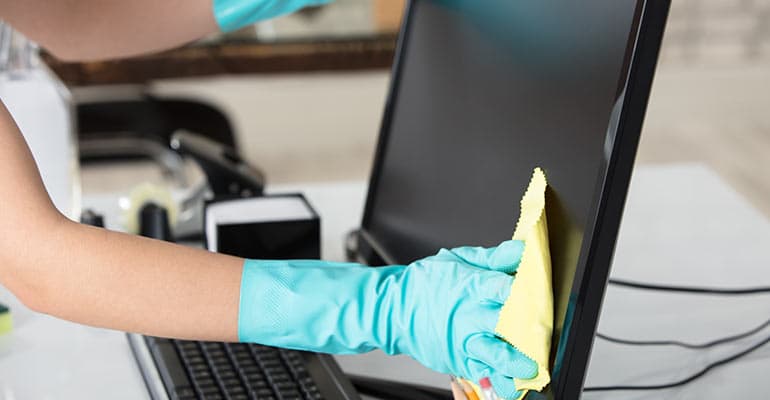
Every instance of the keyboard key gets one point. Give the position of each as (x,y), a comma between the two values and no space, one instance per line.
(263,349)
(259,386)
(280,377)
(206,383)
(242,354)
(291,356)
(244,359)
(233,390)
(210,390)
(262,393)
(190,354)
(276,371)
(193,360)
(248,367)
(270,362)
(282,385)
(221,364)
(288,391)
(257,383)
(213,350)
(185,393)
(230,382)
(226,374)
(218,358)
(255,377)
(307,385)
(199,371)
(238,349)
(186,346)
(218,362)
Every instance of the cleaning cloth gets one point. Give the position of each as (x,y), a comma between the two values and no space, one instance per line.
(526,319)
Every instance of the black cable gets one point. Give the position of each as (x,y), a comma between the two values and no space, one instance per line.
(704,371)
(687,289)
(684,381)
(706,345)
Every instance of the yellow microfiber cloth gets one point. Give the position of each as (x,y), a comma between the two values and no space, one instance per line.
(526,319)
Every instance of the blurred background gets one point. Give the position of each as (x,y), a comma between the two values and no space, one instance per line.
(711,94)
(312,118)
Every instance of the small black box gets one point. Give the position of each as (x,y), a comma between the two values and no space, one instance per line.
(276,227)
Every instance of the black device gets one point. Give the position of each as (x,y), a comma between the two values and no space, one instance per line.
(91,217)
(154,223)
(276,226)
(226,172)
(482,93)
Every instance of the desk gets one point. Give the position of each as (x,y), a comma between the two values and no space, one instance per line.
(680,225)
(679,220)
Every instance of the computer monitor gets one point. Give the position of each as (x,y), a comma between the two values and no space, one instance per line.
(485,91)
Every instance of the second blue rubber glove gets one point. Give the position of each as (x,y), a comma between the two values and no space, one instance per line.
(234,14)
(441,310)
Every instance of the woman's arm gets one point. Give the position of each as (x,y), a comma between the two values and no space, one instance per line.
(102,278)
(99,29)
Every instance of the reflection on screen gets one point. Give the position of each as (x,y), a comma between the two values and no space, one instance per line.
(487,91)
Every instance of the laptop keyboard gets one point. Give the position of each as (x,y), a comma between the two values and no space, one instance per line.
(236,371)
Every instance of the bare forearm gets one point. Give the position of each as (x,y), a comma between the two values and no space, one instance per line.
(108,279)
(98,29)
(103,278)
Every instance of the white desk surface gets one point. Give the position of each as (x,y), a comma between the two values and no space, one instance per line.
(683,225)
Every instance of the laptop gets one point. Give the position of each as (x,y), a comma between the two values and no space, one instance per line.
(482,93)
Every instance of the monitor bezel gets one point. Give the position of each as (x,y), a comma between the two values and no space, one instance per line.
(592,271)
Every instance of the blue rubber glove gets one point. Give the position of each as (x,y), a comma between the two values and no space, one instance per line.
(235,14)
(441,310)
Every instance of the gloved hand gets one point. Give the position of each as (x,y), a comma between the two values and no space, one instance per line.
(441,310)
(234,14)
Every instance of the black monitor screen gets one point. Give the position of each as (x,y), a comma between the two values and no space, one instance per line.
(486,91)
